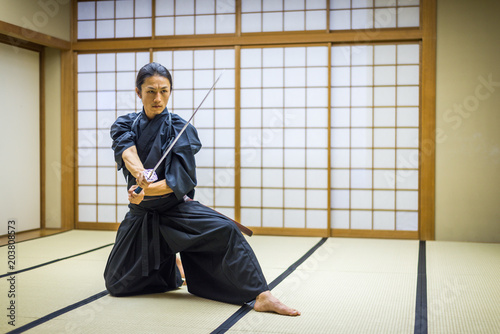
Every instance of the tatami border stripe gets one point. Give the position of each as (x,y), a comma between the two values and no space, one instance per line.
(242,311)
(421,306)
(59,312)
(54,261)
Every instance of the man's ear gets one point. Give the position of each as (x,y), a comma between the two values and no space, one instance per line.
(138,92)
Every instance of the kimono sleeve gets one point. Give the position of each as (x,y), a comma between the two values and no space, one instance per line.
(180,173)
(194,140)
(123,136)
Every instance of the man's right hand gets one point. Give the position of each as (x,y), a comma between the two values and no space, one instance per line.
(142,181)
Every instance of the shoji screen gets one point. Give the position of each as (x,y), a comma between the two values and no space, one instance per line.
(374,137)
(106,83)
(193,73)
(265,15)
(369,14)
(315,124)
(189,17)
(284,137)
(114,19)
(135,18)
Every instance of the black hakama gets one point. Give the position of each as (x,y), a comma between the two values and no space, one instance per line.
(218,262)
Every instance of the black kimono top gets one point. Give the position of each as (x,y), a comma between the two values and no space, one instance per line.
(151,138)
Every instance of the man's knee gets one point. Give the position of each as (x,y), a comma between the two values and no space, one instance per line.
(118,286)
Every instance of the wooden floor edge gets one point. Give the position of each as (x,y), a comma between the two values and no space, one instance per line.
(289,231)
(97,226)
(380,234)
(31,234)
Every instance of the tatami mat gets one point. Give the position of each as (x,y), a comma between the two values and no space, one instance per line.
(463,287)
(63,283)
(347,286)
(172,312)
(276,254)
(37,251)
(49,288)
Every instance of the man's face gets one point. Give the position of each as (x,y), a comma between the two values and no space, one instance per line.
(155,92)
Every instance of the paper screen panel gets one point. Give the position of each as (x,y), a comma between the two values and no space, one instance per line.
(283,116)
(193,73)
(106,84)
(375,136)
(347,15)
(114,19)
(195,17)
(290,15)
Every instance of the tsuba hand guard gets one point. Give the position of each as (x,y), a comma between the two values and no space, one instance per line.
(151,178)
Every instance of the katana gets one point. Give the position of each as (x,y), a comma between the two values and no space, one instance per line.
(151,176)
(151,172)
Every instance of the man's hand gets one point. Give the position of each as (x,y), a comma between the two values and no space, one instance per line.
(133,197)
(142,181)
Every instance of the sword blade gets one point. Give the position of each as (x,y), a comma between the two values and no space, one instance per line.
(169,148)
(185,125)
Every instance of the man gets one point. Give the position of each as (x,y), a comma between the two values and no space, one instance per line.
(218,262)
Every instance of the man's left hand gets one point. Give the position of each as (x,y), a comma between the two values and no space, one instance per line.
(133,197)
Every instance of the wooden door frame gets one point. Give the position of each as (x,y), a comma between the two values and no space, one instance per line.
(425,35)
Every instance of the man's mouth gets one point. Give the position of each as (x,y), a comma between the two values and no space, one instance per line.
(156,106)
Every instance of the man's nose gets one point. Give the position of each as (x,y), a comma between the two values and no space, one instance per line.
(157,97)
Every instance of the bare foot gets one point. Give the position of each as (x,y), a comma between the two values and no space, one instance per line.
(266,302)
(181,269)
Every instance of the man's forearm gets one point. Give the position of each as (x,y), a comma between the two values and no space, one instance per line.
(158,188)
(132,161)
(134,166)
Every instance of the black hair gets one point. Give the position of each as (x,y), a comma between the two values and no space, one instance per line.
(150,70)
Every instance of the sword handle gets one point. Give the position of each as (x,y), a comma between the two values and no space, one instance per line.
(150,176)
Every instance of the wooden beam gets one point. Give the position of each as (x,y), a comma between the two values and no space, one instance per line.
(68,145)
(74,21)
(329,145)
(237,134)
(427,177)
(336,37)
(17,43)
(42,139)
(26,35)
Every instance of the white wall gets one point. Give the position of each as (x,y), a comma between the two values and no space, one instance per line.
(468,120)
(50,17)
(20,138)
